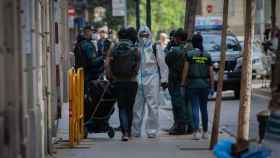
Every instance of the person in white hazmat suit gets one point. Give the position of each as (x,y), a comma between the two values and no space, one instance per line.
(152,73)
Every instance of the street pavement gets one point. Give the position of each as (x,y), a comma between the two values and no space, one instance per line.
(100,146)
(229,114)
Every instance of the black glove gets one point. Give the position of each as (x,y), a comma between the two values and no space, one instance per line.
(164,85)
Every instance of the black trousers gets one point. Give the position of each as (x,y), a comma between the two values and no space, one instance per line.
(125,92)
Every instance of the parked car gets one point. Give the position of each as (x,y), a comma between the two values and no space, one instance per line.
(232,76)
(260,65)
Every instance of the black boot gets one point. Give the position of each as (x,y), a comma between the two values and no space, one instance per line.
(179,129)
(190,130)
(169,129)
(125,137)
(172,128)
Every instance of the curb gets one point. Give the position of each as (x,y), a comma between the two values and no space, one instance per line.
(262,92)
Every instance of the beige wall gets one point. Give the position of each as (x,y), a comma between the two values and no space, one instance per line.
(236,22)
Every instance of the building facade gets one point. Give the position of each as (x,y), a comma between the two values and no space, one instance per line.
(33,51)
(236,14)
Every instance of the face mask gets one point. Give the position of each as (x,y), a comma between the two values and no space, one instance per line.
(145,40)
(94,36)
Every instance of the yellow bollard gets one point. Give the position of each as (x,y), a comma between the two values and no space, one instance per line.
(78,101)
(82,103)
(80,74)
(76,105)
(71,74)
(76,108)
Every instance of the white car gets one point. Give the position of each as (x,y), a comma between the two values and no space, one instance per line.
(260,66)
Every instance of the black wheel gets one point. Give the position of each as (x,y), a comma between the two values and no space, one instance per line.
(86,134)
(237,94)
(111,133)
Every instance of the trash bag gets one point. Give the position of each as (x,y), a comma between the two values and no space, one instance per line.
(223,150)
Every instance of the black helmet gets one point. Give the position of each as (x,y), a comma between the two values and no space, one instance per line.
(123,34)
(172,33)
(88,27)
(132,33)
(197,41)
(182,34)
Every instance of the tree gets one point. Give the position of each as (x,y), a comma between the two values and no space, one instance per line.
(275,84)
(246,84)
(148,13)
(191,8)
(164,15)
(216,120)
(273,14)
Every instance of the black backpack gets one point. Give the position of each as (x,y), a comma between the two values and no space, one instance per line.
(124,59)
(175,58)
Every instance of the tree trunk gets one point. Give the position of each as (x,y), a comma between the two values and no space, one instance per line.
(149,14)
(273,14)
(216,119)
(275,79)
(137,14)
(245,101)
(191,7)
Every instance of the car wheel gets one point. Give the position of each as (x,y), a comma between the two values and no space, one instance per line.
(237,94)
(85,134)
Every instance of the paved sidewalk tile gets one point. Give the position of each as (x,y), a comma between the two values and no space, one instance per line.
(100,146)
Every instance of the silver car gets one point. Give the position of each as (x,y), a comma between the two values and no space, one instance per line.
(260,65)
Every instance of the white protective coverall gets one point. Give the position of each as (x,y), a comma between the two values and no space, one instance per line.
(164,97)
(147,97)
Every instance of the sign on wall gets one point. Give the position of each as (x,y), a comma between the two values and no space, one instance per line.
(208,22)
(71,16)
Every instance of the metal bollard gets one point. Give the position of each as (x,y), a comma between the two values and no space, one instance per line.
(76,110)
(80,75)
(71,74)
(76,105)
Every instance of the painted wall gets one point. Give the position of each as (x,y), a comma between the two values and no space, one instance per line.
(235,13)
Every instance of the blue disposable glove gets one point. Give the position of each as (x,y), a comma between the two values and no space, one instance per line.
(211,91)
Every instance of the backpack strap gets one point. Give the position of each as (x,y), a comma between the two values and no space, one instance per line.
(124,42)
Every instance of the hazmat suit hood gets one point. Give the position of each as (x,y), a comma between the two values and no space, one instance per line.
(148,41)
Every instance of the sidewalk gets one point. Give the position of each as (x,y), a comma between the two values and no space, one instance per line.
(100,146)
(261,89)
(266,92)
